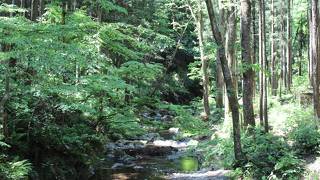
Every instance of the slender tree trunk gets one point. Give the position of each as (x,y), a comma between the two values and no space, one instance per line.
(265,68)
(274,82)
(41,7)
(198,18)
(315,55)
(261,61)
(233,101)
(248,113)
(289,46)
(255,38)
(22,5)
(309,45)
(284,68)
(204,61)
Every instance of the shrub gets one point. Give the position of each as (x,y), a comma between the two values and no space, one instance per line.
(303,132)
(305,137)
(12,168)
(289,167)
(268,156)
(263,151)
(186,121)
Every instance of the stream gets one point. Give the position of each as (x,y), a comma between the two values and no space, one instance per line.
(154,156)
(158,159)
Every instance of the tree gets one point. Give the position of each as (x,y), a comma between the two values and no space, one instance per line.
(198,18)
(232,97)
(274,81)
(314,32)
(263,67)
(289,46)
(284,69)
(246,50)
(229,11)
(255,38)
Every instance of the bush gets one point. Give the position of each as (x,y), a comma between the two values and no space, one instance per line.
(186,121)
(263,151)
(305,137)
(12,168)
(268,156)
(124,125)
(303,132)
(288,167)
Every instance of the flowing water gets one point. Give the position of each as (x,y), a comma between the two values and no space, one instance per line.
(146,168)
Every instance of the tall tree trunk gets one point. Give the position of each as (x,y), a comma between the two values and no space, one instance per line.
(261,61)
(231,28)
(255,38)
(309,45)
(265,69)
(231,41)
(233,102)
(284,68)
(198,17)
(204,60)
(274,82)
(248,113)
(315,55)
(289,46)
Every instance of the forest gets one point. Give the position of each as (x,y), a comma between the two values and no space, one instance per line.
(159,89)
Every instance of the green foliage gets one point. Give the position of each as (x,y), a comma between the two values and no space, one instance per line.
(289,167)
(267,156)
(15,169)
(106,6)
(303,132)
(53,14)
(300,84)
(12,168)
(184,119)
(124,125)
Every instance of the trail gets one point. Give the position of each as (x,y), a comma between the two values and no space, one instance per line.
(279,116)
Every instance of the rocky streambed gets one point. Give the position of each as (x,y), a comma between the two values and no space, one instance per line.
(153,157)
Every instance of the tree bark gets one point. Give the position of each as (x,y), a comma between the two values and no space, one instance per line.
(265,69)
(261,61)
(34,10)
(309,45)
(315,55)
(284,69)
(274,81)
(219,84)
(233,102)
(289,46)
(255,38)
(248,113)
